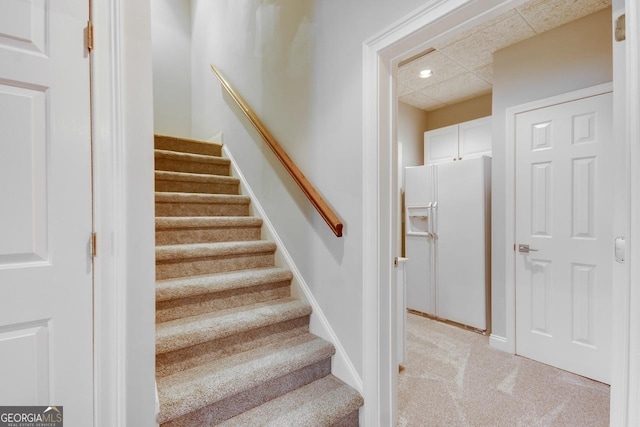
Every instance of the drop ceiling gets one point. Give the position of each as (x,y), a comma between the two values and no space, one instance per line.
(462,65)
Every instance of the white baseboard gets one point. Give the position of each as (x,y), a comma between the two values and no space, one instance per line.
(341,365)
(499,343)
(157,406)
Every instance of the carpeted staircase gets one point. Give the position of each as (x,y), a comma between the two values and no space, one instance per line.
(232,346)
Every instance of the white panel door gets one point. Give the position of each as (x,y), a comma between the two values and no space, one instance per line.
(45,219)
(564,199)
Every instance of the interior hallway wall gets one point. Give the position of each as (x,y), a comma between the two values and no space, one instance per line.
(412,123)
(461,112)
(299,65)
(571,57)
(171,55)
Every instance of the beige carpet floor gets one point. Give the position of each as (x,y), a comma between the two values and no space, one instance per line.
(452,378)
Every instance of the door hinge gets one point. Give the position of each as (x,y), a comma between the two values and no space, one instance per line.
(89,36)
(620,31)
(94,244)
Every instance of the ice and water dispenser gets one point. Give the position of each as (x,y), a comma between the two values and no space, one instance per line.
(418,220)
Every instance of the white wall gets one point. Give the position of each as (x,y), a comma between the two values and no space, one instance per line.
(568,58)
(171,49)
(412,123)
(299,65)
(461,112)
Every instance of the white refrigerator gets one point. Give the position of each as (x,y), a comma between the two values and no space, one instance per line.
(447,240)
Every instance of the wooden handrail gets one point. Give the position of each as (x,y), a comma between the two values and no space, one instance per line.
(307,188)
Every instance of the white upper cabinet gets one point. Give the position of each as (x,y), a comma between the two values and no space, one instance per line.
(465,140)
(441,145)
(475,138)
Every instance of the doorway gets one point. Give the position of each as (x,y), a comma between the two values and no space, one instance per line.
(384,53)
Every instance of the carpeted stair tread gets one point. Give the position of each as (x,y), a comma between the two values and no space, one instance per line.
(190,157)
(191,163)
(173,204)
(208,284)
(195,177)
(189,182)
(187,145)
(170,197)
(205,250)
(165,222)
(198,387)
(202,229)
(318,404)
(189,331)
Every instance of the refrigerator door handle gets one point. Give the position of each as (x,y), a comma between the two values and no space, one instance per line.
(429,220)
(434,220)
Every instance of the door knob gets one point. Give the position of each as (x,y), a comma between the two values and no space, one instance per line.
(525,249)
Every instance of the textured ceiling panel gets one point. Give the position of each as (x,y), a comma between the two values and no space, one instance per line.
(462,64)
(421,101)
(462,87)
(485,73)
(544,15)
(403,90)
(469,32)
(477,49)
(443,69)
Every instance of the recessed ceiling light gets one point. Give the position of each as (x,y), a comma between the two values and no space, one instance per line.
(425,74)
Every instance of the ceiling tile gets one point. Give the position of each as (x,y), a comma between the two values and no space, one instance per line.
(544,15)
(421,101)
(443,68)
(485,73)
(459,35)
(477,49)
(460,88)
(403,90)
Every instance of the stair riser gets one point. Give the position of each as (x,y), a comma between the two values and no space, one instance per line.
(201,209)
(179,360)
(205,235)
(183,146)
(249,399)
(170,165)
(196,187)
(351,420)
(190,267)
(183,307)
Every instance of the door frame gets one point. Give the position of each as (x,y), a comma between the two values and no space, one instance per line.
(509,343)
(381,55)
(124,274)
